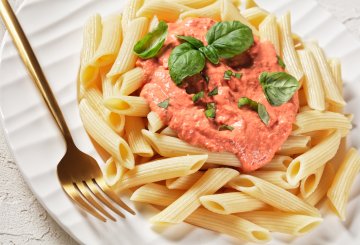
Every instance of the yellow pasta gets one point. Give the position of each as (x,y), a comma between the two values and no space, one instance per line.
(211,11)
(231,202)
(168,132)
(309,184)
(288,51)
(332,92)
(155,194)
(209,183)
(170,147)
(295,145)
(164,10)
(340,188)
(293,224)
(272,194)
(250,4)
(126,58)
(335,67)
(113,171)
(128,105)
(99,130)
(184,182)
(137,142)
(161,170)
(255,15)
(275,177)
(310,121)
(269,31)
(312,85)
(154,122)
(129,13)
(278,163)
(194,3)
(129,82)
(316,157)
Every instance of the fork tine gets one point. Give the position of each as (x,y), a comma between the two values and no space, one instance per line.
(96,192)
(109,192)
(74,194)
(86,193)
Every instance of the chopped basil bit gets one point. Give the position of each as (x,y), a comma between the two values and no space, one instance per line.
(210,110)
(255,106)
(206,78)
(226,127)
(281,62)
(238,75)
(213,92)
(229,73)
(164,104)
(198,96)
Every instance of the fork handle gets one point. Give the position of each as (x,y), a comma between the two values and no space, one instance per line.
(28,57)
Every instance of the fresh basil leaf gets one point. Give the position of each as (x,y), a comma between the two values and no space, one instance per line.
(192,40)
(164,104)
(150,45)
(210,110)
(281,62)
(279,87)
(238,75)
(185,61)
(226,127)
(228,74)
(213,92)
(211,54)
(255,106)
(196,97)
(230,38)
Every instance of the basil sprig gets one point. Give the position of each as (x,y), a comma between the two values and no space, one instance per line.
(192,40)
(255,106)
(150,45)
(279,87)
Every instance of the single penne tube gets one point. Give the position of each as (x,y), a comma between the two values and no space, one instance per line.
(113,171)
(323,186)
(103,134)
(288,51)
(295,145)
(211,11)
(170,147)
(160,170)
(250,4)
(255,15)
(310,121)
(135,138)
(332,93)
(275,177)
(340,188)
(126,58)
(335,67)
(229,12)
(91,40)
(165,10)
(107,84)
(209,183)
(278,163)
(129,82)
(168,132)
(114,120)
(293,224)
(316,157)
(269,31)
(184,182)
(231,202)
(309,184)
(110,41)
(240,228)
(129,13)
(193,3)
(271,194)
(312,84)
(154,122)
(128,105)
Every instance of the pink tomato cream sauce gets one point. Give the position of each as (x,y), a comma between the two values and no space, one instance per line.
(253,142)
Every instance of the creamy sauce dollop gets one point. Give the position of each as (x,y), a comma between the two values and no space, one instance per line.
(253,142)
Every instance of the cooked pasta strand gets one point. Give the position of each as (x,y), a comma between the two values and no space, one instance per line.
(211,11)
(154,122)
(269,31)
(128,105)
(129,82)
(295,145)
(137,142)
(309,184)
(184,182)
(164,10)
(113,171)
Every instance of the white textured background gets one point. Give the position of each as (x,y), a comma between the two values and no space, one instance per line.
(24,221)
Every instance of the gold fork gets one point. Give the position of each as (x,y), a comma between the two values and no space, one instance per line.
(79,174)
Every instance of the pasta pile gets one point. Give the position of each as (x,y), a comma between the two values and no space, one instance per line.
(199,187)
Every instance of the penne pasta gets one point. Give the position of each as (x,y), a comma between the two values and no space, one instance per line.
(335,67)
(194,3)
(250,4)
(231,202)
(339,191)
(137,142)
(170,147)
(113,171)
(209,183)
(309,184)
(316,157)
(154,122)
(128,105)
(129,82)
(126,58)
(312,85)
(211,11)
(269,31)
(155,194)
(293,224)
(255,15)
(160,170)
(332,92)
(129,13)
(275,177)
(278,163)
(168,132)
(184,182)
(288,51)
(271,194)
(310,121)
(99,130)
(295,145)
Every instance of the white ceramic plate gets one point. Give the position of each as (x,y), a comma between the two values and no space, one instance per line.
(54,29)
